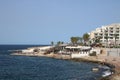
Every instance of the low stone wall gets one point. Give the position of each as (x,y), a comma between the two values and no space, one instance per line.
(79,55)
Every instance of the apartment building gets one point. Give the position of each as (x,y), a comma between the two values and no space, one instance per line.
(109,34)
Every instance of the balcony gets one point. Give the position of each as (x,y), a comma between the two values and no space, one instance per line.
(117,32)
(96,34)
(111,31)
(117,28)
(110,34)
(101,34)
(111,37)
(111,28)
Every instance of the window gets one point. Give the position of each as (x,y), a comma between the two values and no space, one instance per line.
(111,37)
(96,34)
(111,28)
(117,28)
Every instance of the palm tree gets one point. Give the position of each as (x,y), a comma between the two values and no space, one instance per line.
(86,37)
(60,42)
(52,43)
(74,40)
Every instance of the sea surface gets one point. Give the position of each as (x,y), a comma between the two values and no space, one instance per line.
(42,68)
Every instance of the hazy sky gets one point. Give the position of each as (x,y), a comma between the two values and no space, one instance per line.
(43,21)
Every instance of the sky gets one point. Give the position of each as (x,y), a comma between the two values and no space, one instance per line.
(43,21)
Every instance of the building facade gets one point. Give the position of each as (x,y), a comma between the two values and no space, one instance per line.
(109,34)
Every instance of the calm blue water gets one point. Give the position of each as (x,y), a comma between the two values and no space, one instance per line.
(41,68)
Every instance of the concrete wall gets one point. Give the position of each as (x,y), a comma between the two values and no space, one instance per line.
(114,52)
(78,55)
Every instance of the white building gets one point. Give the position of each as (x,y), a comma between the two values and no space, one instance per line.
(81,51)
(107,34)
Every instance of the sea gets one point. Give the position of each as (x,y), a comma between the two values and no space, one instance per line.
(42,68)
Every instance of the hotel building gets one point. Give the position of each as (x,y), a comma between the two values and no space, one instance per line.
(109,34)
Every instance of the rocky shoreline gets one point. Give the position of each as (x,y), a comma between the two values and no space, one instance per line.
(115,67)
(100,59)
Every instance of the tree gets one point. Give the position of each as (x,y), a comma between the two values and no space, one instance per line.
(52,43)
(74,40)
(86,37)
(60,42)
